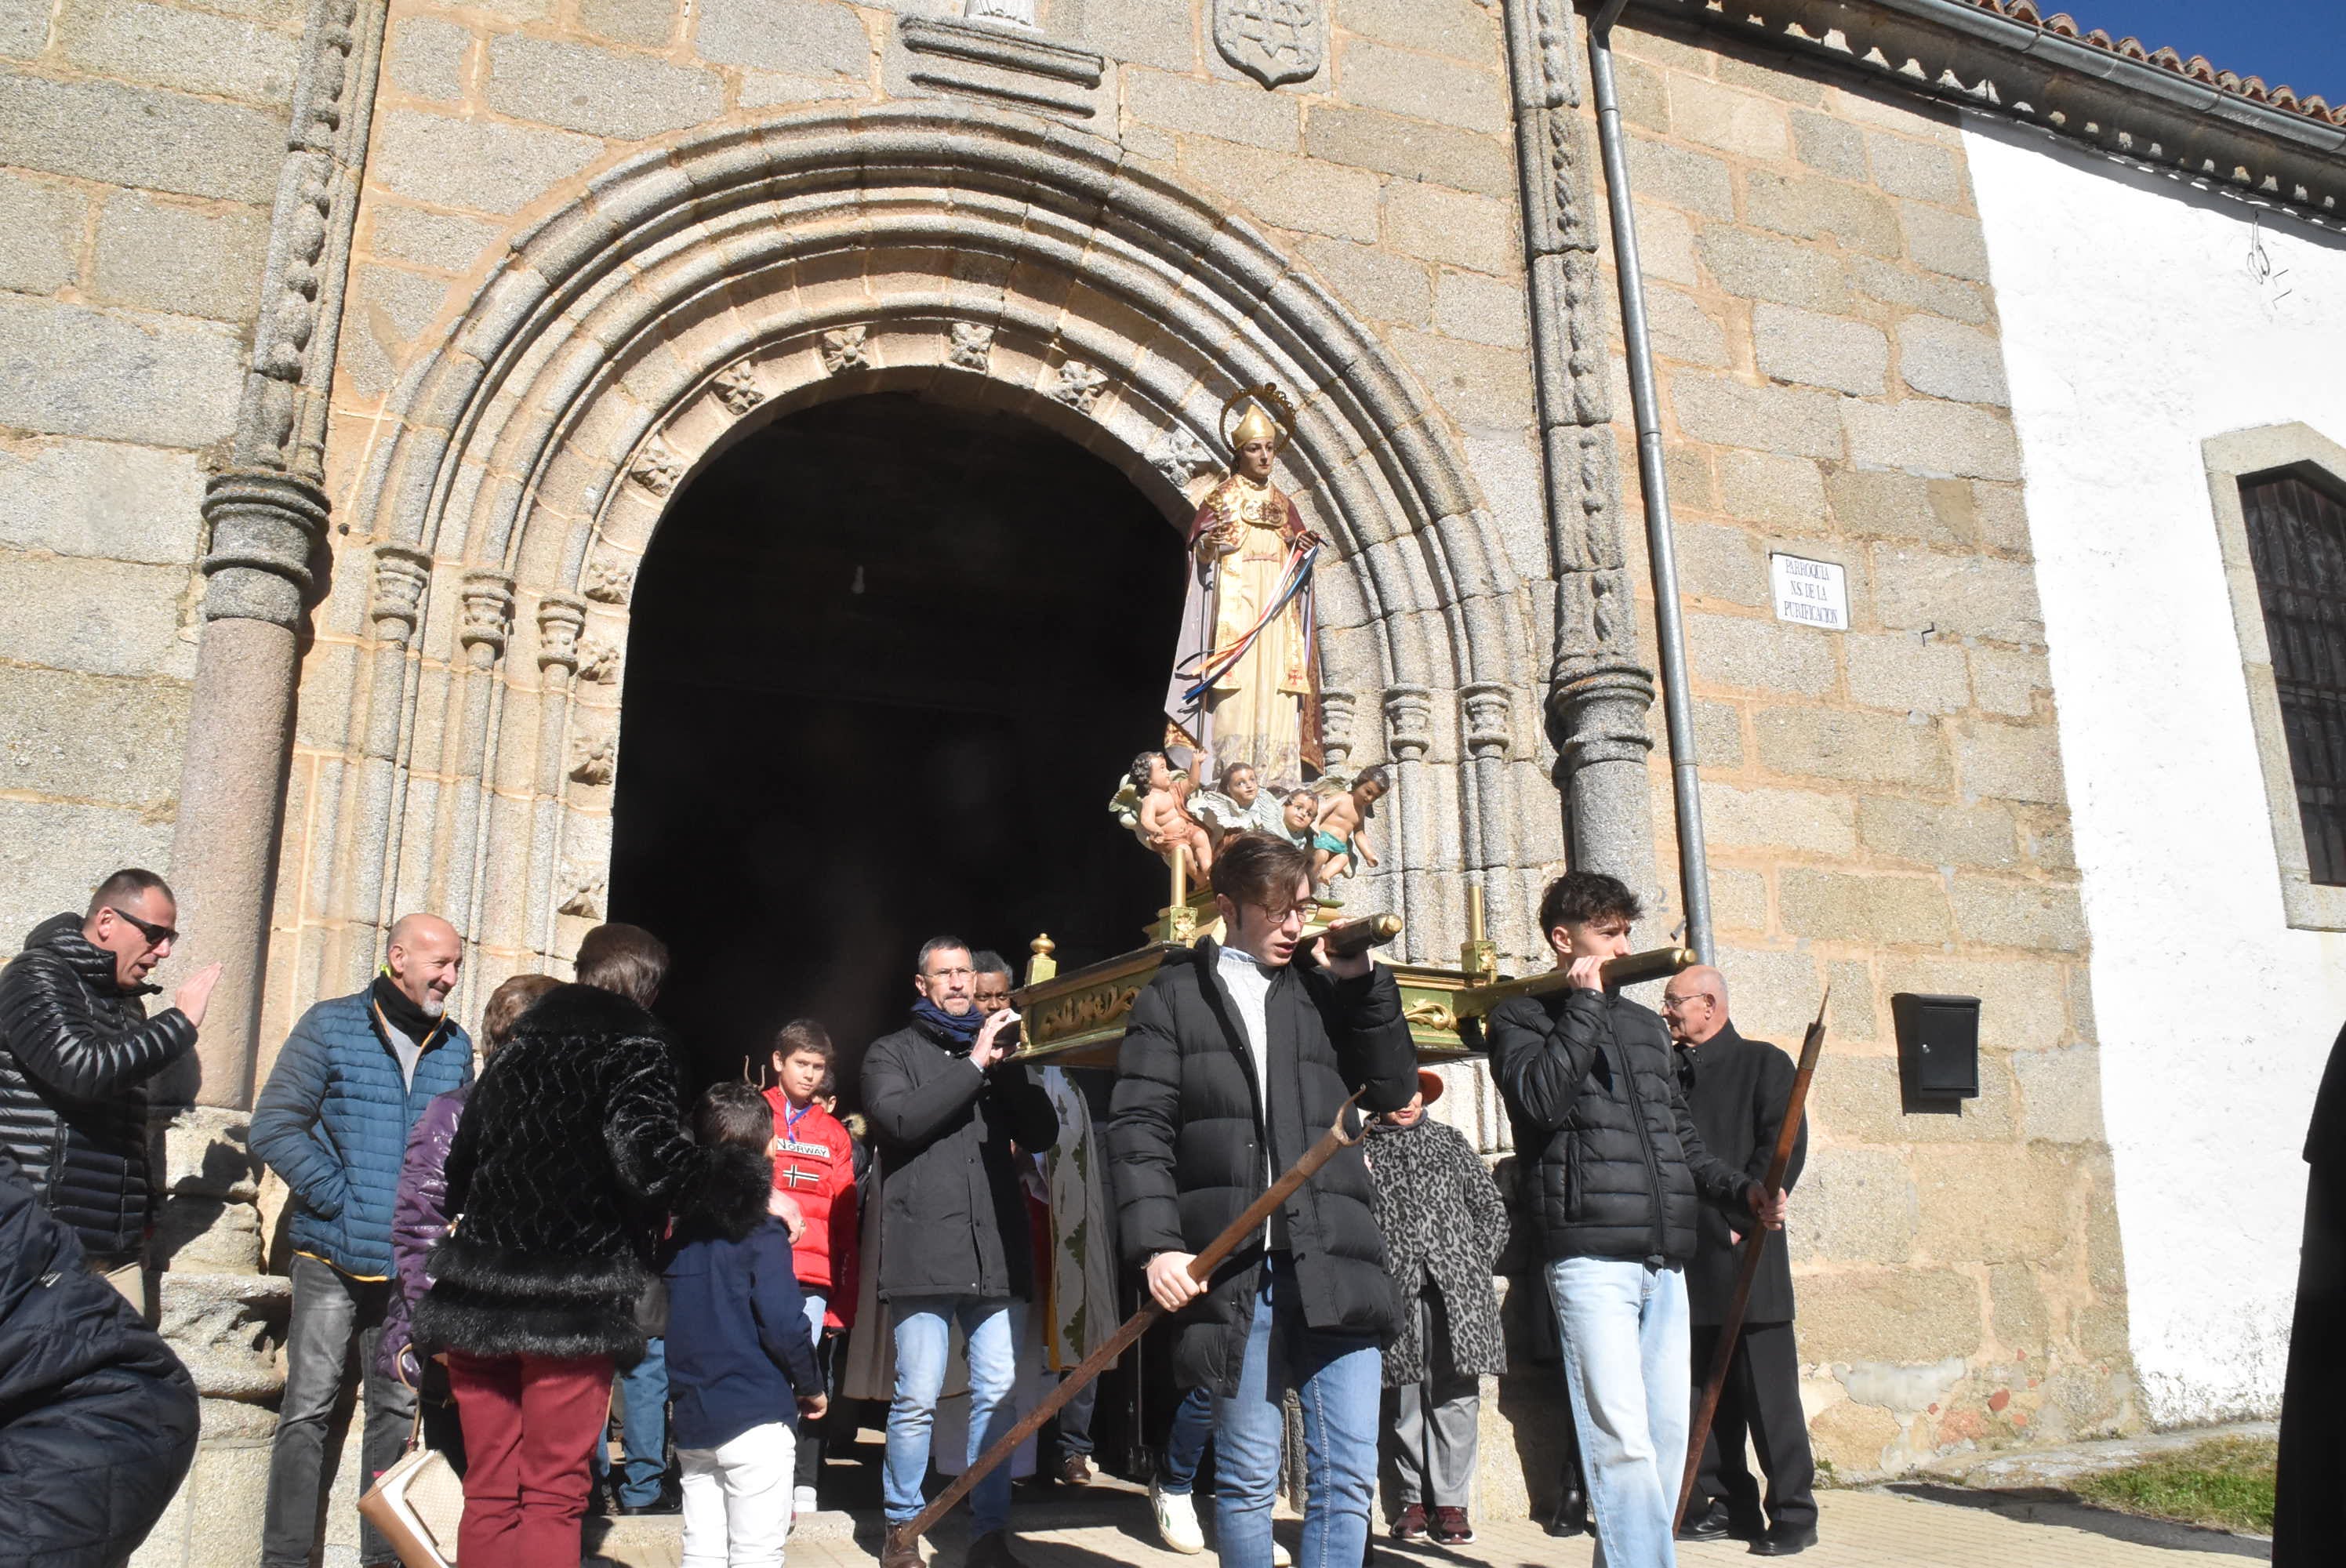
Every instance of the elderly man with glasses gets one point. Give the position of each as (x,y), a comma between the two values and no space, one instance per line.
(77,1054)
(1737,1090)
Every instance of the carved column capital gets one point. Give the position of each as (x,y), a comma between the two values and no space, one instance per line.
(400,572)
(488,615)
(265,527)
(1336,727)
(560,619)
(1598,715)
(1488,710)
(1409,722)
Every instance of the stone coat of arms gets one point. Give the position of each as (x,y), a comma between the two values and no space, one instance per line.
(1273,41)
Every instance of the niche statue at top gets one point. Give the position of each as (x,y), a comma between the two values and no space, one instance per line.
(1245,680)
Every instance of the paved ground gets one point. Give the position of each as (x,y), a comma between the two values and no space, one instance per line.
(1926,1524)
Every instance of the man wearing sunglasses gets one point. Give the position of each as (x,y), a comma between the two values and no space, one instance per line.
(77,1054)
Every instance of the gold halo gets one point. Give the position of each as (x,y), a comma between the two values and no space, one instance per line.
(1282,412)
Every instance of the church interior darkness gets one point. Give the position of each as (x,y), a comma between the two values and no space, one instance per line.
(888,658)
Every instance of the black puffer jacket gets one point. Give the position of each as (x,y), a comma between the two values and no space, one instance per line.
(1186,1143)
(75,1054)
(571,1153)
(98,1417)
(952,1218)
(1622,1171)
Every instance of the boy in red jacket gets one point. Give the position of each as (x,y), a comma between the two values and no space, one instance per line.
(814,1165)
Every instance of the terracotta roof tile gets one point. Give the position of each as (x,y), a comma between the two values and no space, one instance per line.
(2062,25)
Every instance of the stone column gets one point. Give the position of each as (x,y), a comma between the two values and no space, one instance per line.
(1599,688)
(1409,733)
(265,527)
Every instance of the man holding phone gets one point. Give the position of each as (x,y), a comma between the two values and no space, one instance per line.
(945,1102)
(1235,1059)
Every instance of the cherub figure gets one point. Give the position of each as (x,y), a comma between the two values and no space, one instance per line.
(1160,815)
(1238,806)
(1300,810)
(1339,840)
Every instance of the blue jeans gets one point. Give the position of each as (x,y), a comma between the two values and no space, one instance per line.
(1625,1331)
(1185,1443)
(1339,1378)
(992,1328)
(643,1428)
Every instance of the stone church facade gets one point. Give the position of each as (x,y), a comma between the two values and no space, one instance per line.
(356,351)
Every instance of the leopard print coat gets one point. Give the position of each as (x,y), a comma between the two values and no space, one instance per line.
(1443,1223)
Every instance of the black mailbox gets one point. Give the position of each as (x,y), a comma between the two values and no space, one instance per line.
(1938,1045)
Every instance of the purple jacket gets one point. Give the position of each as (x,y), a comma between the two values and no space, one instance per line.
(419,1219)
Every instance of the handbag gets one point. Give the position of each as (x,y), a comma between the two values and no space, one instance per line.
(417,1504)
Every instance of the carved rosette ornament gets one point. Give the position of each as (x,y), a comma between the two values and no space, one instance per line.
(1488,731)
(560,619)
(1078,385)
(1273,41)
(581,891)
(842,348)
(594,759)
(1180,457)
(399,574)
(608,582)
(972,346)
(656,468)
(1409,722)
(737,388)
(599,661)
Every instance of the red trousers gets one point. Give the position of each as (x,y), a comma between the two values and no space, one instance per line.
(530,1424)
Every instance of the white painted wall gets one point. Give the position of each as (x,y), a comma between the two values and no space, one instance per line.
(2133,328)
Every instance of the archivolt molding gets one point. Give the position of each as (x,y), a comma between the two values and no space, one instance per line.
(701,290)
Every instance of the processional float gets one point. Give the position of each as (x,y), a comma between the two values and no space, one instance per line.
(1241,726)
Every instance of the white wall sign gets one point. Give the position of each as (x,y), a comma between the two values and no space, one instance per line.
(1811,592)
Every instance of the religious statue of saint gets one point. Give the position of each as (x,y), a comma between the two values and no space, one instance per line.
(1246,683)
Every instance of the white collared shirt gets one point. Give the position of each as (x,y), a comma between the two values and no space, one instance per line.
(1249,985)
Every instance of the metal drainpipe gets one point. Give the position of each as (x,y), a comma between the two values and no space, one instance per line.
(1694,866)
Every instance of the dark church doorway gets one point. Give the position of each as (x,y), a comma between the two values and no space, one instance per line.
(888,658)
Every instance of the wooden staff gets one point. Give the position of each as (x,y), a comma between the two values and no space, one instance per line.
(1811,1047)
(1245,1228)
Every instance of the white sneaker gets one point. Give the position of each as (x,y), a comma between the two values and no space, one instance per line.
(804,1502)
(1176,1520)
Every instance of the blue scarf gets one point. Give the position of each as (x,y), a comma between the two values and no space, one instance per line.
(960,1031)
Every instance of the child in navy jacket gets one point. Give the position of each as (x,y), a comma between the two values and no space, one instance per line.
(740,1362)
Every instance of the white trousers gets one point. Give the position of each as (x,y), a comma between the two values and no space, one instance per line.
(737,1499)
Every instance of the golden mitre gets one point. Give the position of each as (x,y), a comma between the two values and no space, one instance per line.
(1275,424)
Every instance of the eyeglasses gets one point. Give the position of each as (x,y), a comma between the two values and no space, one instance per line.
(156,935)
(1680,1003)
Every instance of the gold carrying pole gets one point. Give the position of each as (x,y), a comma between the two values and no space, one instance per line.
(1630,968)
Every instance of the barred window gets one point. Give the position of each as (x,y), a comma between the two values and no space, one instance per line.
(2297,541)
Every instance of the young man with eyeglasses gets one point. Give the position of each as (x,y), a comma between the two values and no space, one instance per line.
(354,1076)
(945,1101)
(1235,1059)
(76,1054)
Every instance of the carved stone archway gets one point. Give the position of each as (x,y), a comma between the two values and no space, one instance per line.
(749,272)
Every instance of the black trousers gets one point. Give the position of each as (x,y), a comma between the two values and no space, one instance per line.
(1761,1400)
(2309,1500)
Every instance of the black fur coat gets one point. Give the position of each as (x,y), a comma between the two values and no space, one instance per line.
(571,1155)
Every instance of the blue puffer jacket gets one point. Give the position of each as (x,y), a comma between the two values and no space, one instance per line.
(333,1122)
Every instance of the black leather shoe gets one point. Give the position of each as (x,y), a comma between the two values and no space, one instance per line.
(1785,1540)
(667,1503)
(1571,1516)
(1711,1524)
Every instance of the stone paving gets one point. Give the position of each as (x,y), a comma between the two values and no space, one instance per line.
(1911,1525)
